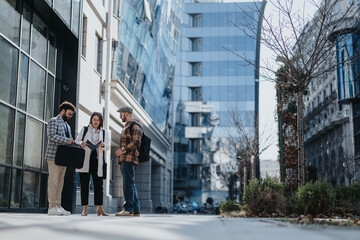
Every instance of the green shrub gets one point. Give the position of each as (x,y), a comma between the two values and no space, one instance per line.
(348,194)
(266,195)
(315,198)
(229,206)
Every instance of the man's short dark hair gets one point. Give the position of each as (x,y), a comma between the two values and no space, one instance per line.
(67,105)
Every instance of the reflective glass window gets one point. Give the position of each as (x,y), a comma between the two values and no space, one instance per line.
(63,7)
(15,188)
(4,186)
(76,17)
(10,19)
(8,69)
(52,52)
(30,193)
(19,139)
(33,140)
(25,36)
(22,83)
(36,90)
(39,40)
(7,119)
(49,97)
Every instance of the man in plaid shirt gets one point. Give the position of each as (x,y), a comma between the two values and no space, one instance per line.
(58,133)
(128,153)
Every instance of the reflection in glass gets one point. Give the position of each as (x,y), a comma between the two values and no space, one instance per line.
(49,97)
(7,116)
(45,166)
(10,19)
(19,139)
(51,63)
(8,67)
(4,186)
(30,193)
(33,140)
(25,37)
(76,17)
(15,188)
(63,7)
(22,83)
(36,90)
(39,40)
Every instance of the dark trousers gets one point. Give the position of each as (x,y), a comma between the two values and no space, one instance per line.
(85,180)
(130,193)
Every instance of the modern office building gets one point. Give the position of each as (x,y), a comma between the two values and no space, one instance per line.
(136,69)
(75,50)
(332,115)
(38,69)
(211,82)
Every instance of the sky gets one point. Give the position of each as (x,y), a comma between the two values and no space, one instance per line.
(267,94)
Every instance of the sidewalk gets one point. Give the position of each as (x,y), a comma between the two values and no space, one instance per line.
(157,227)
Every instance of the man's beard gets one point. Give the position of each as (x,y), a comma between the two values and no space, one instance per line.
(65,118)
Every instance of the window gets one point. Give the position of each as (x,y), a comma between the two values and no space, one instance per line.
(196,119)
(8,69)
(196,44)
(63,7)
(196,69)
(10,19)
(75,17)
(7,116)
(4,186)
(33,139)
(99,50)
(83,51)
(195,145)
(36,90)
(196,94)
(116,7)
(195,172)
(39,40)
(196,20)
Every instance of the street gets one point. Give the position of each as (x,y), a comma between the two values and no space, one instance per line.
(157,226)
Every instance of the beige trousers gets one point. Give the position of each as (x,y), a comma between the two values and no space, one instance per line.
(55,183)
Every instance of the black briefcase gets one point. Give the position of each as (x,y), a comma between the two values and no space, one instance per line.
(70,156)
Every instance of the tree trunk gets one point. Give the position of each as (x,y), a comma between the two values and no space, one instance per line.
(245,175)
(300,136)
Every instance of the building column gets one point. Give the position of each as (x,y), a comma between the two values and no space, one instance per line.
(143,186)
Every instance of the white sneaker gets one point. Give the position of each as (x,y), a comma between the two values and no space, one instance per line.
(63,211)
(54,211)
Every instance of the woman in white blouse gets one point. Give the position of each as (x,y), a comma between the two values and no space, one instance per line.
(95,141)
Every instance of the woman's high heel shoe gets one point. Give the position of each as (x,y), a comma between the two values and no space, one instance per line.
(101,212)
(84,212)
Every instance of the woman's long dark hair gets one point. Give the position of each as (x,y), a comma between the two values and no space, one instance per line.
(100,117)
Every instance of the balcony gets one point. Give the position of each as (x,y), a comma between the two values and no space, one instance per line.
(330,123)
(198,107)
(194,132)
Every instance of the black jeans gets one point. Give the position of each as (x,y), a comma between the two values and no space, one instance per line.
(131,197)
(85,180)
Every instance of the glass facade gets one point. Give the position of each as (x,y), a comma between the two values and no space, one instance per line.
(348,78)
(145,55)
(210,83)
(29,62)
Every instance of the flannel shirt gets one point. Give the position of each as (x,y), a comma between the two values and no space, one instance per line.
(130,143)
(56,136)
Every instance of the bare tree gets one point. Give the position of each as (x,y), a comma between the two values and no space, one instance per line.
(350,167)
(303,44)
(245,145)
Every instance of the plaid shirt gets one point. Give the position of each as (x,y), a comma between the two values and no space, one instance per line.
(130,143)
(56,136)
